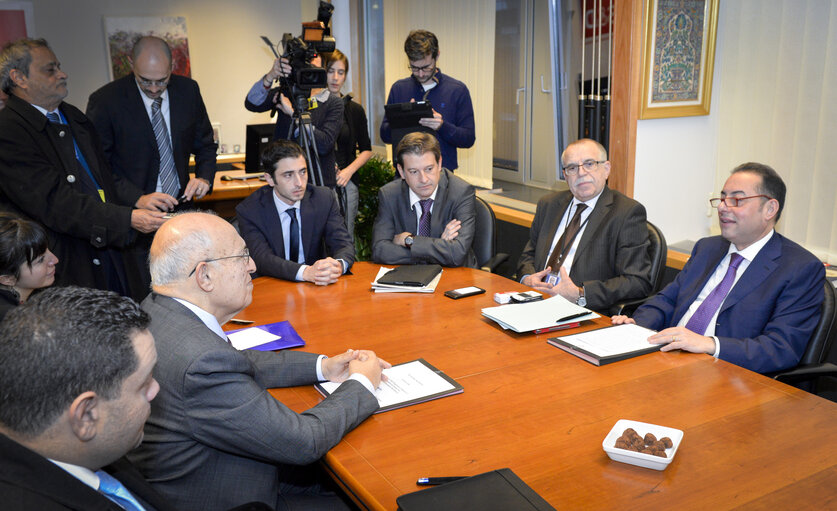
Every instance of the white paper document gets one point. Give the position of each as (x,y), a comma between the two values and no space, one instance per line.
(391,288)
(251,337)
(525,317)
(612,341)
(408,383)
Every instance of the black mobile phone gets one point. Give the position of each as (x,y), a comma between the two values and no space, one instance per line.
(463,292)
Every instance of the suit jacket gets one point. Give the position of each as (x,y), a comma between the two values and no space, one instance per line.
(324,231)
(128,140)
(215,433)
(768,317)
(30,481)
(39,179)
(454,200)
(611,260)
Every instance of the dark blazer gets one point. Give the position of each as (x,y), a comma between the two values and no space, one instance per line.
(454,200)
(38,179)
(29,481)
(128,141)
(324,231)
(767,319)
(215,434)
(611,260)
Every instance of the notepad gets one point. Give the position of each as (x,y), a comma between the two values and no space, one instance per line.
(608,344)
(526,317)
(270,337)
(408,384)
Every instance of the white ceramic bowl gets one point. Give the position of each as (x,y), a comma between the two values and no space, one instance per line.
(638,458)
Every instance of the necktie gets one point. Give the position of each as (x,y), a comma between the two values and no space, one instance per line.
(700,320)
(293,236)
(424,221)
(115,491)
(53,118)
(168,174)
(559,253)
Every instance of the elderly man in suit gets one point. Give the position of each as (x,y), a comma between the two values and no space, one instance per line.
(214,427)
(149,123)
(749,296)
(428,215)
(588,244)
(288,223)
(52,170)
(75,400)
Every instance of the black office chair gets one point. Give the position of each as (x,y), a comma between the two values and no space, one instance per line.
(657,251)
(485,238)
(815,363)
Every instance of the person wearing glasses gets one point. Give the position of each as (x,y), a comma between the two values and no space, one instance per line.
(749,296)
(294,230)
(149,123)
(589,244)
(453,113)
(53,171)
(216,438)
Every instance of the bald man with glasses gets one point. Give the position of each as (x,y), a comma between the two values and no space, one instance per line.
(589,244)
(749,296)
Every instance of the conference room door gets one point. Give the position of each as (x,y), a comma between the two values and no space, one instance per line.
(529,92)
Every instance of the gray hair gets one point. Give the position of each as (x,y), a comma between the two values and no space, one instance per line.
(179,256)
(17,55)
(600,147)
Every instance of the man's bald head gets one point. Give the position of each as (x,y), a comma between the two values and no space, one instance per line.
(182,242)
(151,63)
(152,47)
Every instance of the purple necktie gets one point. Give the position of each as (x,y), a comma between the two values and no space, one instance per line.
(700,320)
(424,221)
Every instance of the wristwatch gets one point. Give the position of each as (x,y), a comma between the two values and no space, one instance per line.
(408,242)
(581,299)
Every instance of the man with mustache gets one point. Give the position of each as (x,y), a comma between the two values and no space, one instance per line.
(589,244)
(287,223)
(52,170)
(749,296)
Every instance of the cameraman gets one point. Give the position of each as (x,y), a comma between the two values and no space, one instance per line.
(326,112)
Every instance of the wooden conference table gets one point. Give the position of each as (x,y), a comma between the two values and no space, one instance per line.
(749,441)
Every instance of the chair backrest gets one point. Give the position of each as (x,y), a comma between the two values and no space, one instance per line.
(658,251)
(485,233)
(824,333)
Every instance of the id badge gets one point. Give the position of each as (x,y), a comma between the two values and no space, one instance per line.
(553,278)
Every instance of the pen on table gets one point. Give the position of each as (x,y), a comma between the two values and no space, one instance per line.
(241,321)
(565,326)
(571,316)
(433,481)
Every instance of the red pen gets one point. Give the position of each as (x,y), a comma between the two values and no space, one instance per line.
(554,328)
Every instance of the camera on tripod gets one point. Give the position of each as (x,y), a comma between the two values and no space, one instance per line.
(316,39)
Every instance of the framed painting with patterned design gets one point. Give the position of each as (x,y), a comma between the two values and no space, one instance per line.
(679,57)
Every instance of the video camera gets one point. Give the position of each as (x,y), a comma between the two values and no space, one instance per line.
(316,39)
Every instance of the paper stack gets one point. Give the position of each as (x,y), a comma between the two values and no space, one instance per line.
(526,317)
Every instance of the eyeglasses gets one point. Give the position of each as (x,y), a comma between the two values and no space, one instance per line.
(246,255)
(417,69)
(589,166)
(154,83)
(733,202)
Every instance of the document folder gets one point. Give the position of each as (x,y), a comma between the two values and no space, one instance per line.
(417,275)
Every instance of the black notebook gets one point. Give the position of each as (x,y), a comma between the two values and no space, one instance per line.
(417,275)
(499,490)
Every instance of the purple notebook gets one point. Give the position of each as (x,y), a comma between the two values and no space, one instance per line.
(288,338)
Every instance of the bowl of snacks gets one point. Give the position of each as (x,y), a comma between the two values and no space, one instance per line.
(642,444)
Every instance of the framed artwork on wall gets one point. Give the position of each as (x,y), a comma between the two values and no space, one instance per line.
(679,55)
(16,21)
(120,34)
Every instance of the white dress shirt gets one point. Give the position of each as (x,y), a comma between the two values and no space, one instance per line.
(564,223)
(416,207)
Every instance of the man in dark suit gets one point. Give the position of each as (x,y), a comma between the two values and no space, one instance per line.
(74,401)
(750,296)
(52,170)
(288,223)
(428,215)
(214,427)
(149,123)
(588,244)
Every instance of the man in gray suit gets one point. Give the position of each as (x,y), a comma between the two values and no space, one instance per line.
(588,244)
(216,438)
(427,216)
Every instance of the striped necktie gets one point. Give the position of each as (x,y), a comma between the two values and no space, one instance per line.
(168,174)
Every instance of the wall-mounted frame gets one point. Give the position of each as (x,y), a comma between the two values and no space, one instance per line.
(121,33)
(16,21)
(679,55)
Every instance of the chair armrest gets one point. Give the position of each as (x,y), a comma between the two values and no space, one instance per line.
(628,307)
(492,264)
(807,373)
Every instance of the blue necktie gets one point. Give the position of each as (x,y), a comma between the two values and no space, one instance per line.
(700,320)
(293,236)
(424,221)
(53,118)
(168,174)
(115,491)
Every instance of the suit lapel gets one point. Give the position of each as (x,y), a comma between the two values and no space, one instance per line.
(553,223)
(307,212)
(437,227)
(696,285)
(595,219)
(272,222)
(757,272)
(177,115)
(408,216)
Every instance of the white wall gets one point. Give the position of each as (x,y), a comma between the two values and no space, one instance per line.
(227,54)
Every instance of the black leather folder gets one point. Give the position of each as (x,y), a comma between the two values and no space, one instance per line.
(416,275)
